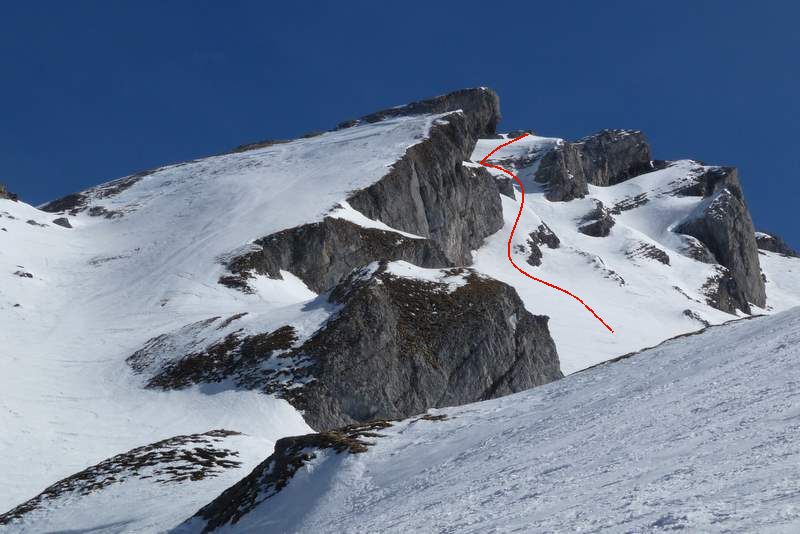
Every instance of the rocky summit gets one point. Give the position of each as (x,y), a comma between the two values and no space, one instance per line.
(282,337)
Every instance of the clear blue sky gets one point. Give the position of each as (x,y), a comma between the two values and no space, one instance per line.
(96,90)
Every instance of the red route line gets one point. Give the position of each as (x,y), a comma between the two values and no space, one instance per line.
(519,214)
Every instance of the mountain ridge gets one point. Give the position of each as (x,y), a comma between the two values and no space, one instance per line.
(250,291)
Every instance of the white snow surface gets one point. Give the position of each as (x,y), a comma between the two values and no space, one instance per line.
(642,299)
(700,434)
(100,290)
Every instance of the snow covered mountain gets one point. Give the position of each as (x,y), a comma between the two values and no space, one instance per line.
(185,318)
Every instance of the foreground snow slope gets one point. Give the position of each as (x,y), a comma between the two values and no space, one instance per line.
(98,291)
(699,433)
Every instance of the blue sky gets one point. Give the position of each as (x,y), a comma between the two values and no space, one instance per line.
(96,90)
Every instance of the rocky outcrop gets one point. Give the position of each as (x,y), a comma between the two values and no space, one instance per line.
(481,107)
(403,340)
(723,224)
(429,192)
(5,193)
(339,247)
(605,158)
(400,346)
(598,222)
(562,173)
(62,221)
(612,156)
(723,292)
(543,235)
(774,243)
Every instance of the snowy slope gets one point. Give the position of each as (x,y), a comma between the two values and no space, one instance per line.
(643,299)
(700,433)
(145,254)
(98,291)
(144,489)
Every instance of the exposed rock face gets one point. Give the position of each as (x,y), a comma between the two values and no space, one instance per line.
(561,170)
(723,293)
(4,193)
(613,156)
(723,224)
(62,221)
(402,345)
(598,222)
(774,243)
(543,235)
(481,106)
(339,247)
(605,158)
(397,346)
(428,192)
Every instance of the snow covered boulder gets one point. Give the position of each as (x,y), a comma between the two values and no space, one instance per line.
(598,222)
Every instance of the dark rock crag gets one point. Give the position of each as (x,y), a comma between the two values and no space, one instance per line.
(410,198)
(598,222)
(396,347)
(605,158)
(339,247)
(543,235)
(249,361)
(6,194)
(400,346)
(723,224)
(481,107)
(774,243)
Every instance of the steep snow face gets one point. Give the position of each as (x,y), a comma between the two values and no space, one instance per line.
(622,276)
(146,264)
(699,433)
